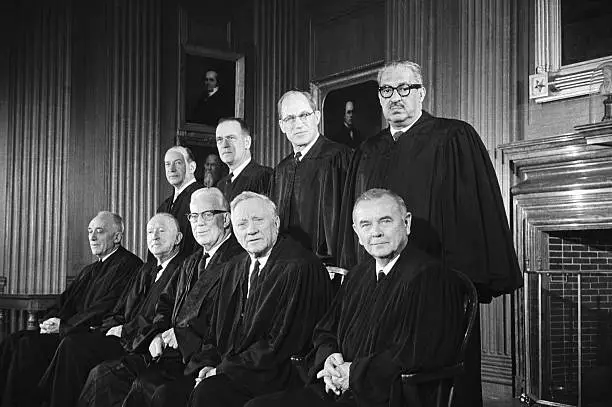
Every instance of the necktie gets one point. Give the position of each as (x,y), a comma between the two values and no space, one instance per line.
(380,276)
(158,273)
(253,279)
(297,157)
(231,177)
(202,264)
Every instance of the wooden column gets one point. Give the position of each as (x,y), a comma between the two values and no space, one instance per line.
(134,114)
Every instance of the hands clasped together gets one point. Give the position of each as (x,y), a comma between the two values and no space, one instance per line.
(167,338)
(50,326)
(335,374)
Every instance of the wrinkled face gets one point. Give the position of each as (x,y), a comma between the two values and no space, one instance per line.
(162,236)
(298,121)
(232,143)
(176,168)
(401,111)
(103,235)
(381,229)
(255,226)
(211,80)
(211,164)
(348,113)
(208,232)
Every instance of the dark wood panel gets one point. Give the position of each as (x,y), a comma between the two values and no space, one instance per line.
(344,42)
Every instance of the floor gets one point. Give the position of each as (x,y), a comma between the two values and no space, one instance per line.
(502,403)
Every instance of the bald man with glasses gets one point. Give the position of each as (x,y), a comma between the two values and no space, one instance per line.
(307,184)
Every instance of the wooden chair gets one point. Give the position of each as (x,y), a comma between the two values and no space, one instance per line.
(443,379)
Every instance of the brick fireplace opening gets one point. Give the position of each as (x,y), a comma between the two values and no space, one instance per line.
(561,211)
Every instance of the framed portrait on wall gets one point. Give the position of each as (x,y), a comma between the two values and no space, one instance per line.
(211,86)
(349,105)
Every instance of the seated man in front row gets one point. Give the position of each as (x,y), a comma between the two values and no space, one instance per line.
(24,356)
(126,329)
(397,312)
(269,302)
(182,313)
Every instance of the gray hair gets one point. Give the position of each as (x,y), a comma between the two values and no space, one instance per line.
(211,191)
(294,92)
(250,195)
(184,151)
(168,216)
(377,193)
(411,66)
(117,220)
(244,127)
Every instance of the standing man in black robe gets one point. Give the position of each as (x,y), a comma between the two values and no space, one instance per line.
(180,168)
(234,145)
(269,302)
(25,355)
(396,312)
(307,184)
(126,329)
(442,170)
(182,315)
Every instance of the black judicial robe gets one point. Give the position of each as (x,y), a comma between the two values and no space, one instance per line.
(179,209)
(442,170)
(309,196)
(25,355)
(411,320)
(253,177)
(186,305)
(252,339)
(77,354)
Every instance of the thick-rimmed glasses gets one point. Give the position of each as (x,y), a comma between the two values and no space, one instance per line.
(291,119)
(207,216)
(402,90)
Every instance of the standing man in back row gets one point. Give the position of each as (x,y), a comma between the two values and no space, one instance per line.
(442,170)
(234,145)
(180,168)
(307,184)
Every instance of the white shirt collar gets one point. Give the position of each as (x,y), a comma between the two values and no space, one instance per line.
(163,265)
(110,254)
(306,149)
(213,91)
(386,269)
(239,169)
(212,251)
(177,192)
(262,263)
(394,130)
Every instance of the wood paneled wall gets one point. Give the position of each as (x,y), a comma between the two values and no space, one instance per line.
(36,113)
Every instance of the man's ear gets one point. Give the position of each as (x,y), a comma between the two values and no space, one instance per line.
(227,220)
(117,237)
(247,142)
(191,167)
(408,222)
(179,237)
(423,93)
(317,114)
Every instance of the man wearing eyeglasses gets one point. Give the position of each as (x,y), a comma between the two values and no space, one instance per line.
(307,184)
(442,170)
(234,144)
(183,313)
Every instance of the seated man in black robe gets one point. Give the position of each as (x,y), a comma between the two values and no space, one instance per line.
(180,167)
(127,329)
(25,355)
(442,170)
(182,313)
(399,311)
(269,302)
(307,184)
(234,145)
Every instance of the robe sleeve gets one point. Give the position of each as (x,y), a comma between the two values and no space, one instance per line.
(103,300)
(430,328)
(128,302)
(471,218)
(165,304)
(266,361)
(325,338)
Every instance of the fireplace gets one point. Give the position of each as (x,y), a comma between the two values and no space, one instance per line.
(561,202)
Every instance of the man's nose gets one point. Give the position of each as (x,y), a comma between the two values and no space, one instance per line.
(395,96)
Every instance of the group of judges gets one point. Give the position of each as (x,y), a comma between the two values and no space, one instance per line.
(237,280)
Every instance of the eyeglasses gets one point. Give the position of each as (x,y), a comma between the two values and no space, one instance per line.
(291,119)
(402,90)
(206,215)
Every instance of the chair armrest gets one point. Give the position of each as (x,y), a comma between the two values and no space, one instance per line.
(445,372)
